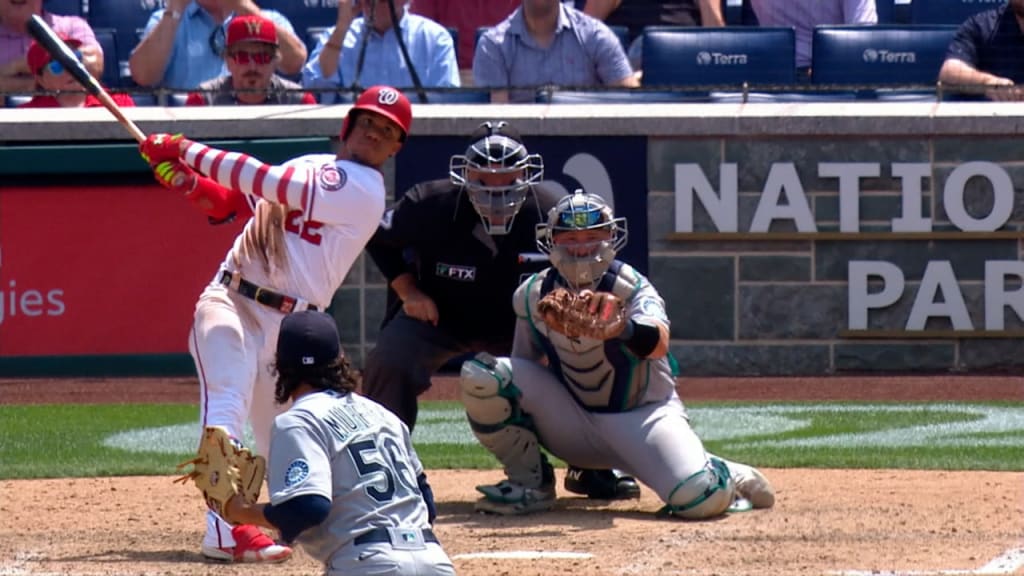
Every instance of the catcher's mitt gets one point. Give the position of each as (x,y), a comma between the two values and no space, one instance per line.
(224,468)
(586,314)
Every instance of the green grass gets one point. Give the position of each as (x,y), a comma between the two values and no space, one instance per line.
(54,441)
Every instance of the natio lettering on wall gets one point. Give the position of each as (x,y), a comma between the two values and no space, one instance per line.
(783,197)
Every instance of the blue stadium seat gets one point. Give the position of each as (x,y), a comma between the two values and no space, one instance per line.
(614,97)
(143,98)
(127,17)
(322,13)
(177,99)
(893,11)
(454,32)
(879,54)
(740,13)
(111,67)
(15,100)
(622,33)
(454,97)
(948,11)
(63,7)
(686,56)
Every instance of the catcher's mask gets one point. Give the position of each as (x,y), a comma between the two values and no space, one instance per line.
(496,172)
(581,237)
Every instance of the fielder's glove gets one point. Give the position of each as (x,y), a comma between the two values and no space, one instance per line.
(223,468)
(584,314)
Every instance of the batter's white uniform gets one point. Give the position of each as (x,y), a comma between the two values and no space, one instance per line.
(596,404)
(332,209)
(358,454)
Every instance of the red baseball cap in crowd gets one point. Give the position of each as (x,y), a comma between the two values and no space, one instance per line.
(37,56)
(251,28)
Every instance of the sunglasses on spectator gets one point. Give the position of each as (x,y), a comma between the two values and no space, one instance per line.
(244,57)
(56,68)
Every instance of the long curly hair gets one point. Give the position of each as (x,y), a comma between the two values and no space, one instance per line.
(338,375)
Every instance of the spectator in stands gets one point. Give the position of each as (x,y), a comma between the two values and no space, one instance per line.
(364,51)
(986,50)
(635,15)
(465,16)
(804,15)
(181,44)
(15,41)
(543,43)
(251,53)
(51,76)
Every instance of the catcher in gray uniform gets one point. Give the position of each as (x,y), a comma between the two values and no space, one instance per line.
(345,481)
(603,397)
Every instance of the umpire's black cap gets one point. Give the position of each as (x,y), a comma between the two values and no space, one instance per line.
(307,340)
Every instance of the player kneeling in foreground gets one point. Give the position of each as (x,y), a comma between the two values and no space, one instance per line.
(591,381)
(345,481)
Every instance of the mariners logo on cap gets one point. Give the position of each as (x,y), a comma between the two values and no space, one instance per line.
(387,96)
(331,178)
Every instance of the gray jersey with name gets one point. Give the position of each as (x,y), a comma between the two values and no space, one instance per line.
(353,451)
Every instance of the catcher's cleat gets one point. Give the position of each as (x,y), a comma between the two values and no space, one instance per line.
(510,499)
(601,484)
(251,545)
(752,485)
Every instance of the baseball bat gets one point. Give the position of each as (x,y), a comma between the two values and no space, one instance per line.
(60,52)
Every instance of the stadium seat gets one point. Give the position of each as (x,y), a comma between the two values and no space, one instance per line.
(622,33)
(305,14)
(453,97)
(948,11)
(739,13)
(686,56)
(893,11)
(177,99)
(143,99)
(15,100)
(454,32)
(614,97)
(127,18)
(63,7)
(111,65)
(880,55)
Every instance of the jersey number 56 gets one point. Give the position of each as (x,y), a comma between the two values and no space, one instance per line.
(387,464)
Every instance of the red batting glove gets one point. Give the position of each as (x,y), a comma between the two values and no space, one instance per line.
(175,175)
(157,148)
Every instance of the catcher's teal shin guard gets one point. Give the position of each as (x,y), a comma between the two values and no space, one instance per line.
(492,407)
(705,494)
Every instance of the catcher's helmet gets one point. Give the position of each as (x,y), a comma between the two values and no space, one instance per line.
(581,264)
(496,148)
(384,100)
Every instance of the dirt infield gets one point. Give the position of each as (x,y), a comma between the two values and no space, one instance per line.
(824,521)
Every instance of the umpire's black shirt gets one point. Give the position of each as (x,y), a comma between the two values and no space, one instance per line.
(469,274)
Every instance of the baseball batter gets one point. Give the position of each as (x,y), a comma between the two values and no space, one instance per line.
(597,403)
(312,216)
(345,480)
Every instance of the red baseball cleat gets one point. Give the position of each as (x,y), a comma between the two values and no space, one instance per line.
(251,545)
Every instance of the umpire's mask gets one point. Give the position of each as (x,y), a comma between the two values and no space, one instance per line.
(496,171)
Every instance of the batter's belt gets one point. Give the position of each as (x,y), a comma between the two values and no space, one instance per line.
(279,302)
